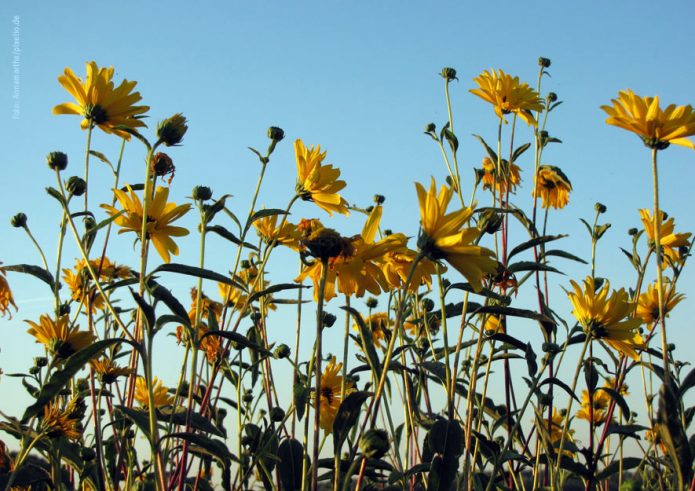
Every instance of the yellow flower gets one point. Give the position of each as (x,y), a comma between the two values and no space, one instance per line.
(379,325)
(657,127)
(510,174)
(161,395)
(508,95)
(356,269)
(604,317)
(648,304)
(331,382)
(397,264)
(493,323)
(58,338)
(287,235)
(6,298)
(160,216)
(670,241)
(443,236)
(57,423)
(248,280)
(100,102)
(107,371)
(316,182)
(601,401)
(418,328)
(552,186)
(623,390)
(106,269)
(557,423)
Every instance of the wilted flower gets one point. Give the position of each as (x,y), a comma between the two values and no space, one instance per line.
(316,182)
(160,216)
(66,422)
(6,298)
(100,103)
(509,176)
(444,237)
(604,317)
(508,95)
(657,127)
(552,186)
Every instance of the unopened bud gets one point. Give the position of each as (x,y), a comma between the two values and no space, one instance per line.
(329,319)
(372,303)
(544,62)
(448,73)
(171,130)
(277,414)
(552,97)
(276,134)
(427,304)
(202,193)
(600,208)
(40,361)
(431,128)
(632,231)
(374,443)
(76,186)
(282,351)
(379,199)
(19,220)
(57,160)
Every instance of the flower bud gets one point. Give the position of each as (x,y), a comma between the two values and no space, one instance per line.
(372,303)
(19,220)
(431,128)
(276,134)
(552,97)
(600,208)
(374,443)
(388,232)
(87,454)
(202,193)
(282,351)
(379,199)
(427,304)
(245,264)
(329,319)
(57,160)
(248,397)
(76,186)
(64,309)
(490,222)
(34,370)
(277,414)
(633,231)
(544,62)
(171,130)
(449,74)
(40,361)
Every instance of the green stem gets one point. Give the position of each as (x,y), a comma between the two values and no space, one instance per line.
(86,165)
(317,376)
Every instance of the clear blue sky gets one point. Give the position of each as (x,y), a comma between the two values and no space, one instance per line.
(361,79)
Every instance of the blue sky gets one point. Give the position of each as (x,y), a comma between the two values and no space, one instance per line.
(361,79)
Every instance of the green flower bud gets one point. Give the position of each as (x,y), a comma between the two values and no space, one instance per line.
(57,160)
(277,414)
(388,232)
(600,208)
(329,319)
(379,199)
(490,222)
(19,220)
(431,128)
(76,186)
(633,231)
(248,397)
(544,62)
(372,303)
(171,130)
(552,97)
(40,361)
(34,370)
(202,193)
(64,309)
(374,443)
(448,73)
(276,134)
(282,351)
(427,304)
(245,264)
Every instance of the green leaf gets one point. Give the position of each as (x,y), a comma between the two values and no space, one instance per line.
(300,396)
(139,417)
(366,341)
(290,454)
(615,466)
(529,244)
(226,234)
(146,308)
(531,363)
(619,400)
(268,212)
(563,254)
(54,193)
(687,383)
(486,292)
(162,294)
(60,378)
(519,151)
(347,416)
(239,339)
(445,441)
(179,414)
(489,150)
(215,448)
(561,384)
(34,271)
(197,272)
(274,289)
(531,266)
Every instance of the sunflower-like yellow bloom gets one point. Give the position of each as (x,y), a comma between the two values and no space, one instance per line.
(58,337)
(161,395)
(331,382)
(494,324)
(107,371)
(66,422)
(268,230)
(510,176)
(100,102)
(508,95)
(356,269)
(601,401)
(379,325)
(106,269)
(648,304)
(657,127)
(444,237)
(557,423)
(316,182)
(670,241)
(6,298)
(552,186)
(160,215)
(604,316)
(397,264)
